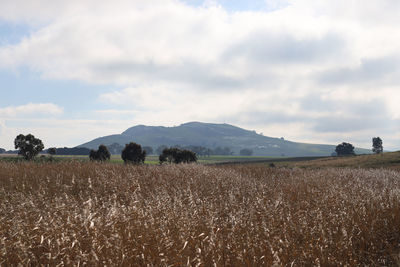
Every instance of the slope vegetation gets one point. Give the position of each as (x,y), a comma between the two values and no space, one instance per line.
(211,136)
(388,160)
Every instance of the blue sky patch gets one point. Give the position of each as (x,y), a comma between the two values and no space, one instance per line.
(11,33)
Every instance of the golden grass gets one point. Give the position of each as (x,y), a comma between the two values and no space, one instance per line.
(388,160)
(75,213)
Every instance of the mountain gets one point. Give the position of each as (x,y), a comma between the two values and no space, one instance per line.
(211,136)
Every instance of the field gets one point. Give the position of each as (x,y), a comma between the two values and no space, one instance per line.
(77,213)
(152,159)
(388,160)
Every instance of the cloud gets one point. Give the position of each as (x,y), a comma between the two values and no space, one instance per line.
(375,12)
(204,47)
(283,48)
(31,110)
(376,71)
(319,68)
(59,132)
(114,112)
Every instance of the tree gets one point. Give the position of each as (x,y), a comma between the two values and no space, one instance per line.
(168,155)
(148,149)
(2,150)
(345,149)
(102,154)
(377,147)
(28,146)
(52,151)
(133,153)
(246,152)
(176,155)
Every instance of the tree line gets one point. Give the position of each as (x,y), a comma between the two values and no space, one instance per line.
(28,146)
(200,151)
(134,153)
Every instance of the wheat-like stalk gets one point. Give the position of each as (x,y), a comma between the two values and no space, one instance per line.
(75,213)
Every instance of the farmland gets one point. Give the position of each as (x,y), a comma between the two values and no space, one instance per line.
(76,213)
(153,159)
(388,160)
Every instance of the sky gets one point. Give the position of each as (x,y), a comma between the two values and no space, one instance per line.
(306,70)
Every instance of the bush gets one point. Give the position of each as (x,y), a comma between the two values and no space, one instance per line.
(133,153)
(102,154)
(176,155)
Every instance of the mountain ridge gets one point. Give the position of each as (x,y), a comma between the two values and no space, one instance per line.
(212,135)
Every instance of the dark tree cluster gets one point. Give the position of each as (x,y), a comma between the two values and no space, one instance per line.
(177,155)
(345,149)
(28,146)
(133,153)
(102,154)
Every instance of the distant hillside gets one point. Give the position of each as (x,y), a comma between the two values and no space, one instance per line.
(211,136)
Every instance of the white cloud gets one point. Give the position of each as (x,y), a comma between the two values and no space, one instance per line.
(300,67)
(30,110)
(22,119)
(55,132)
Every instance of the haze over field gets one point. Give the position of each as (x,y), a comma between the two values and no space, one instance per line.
(308,70)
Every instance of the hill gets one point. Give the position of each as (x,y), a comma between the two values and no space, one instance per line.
(388,160)
(212,136)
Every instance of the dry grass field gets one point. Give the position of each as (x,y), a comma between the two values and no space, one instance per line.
(84,213)
(388,160)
